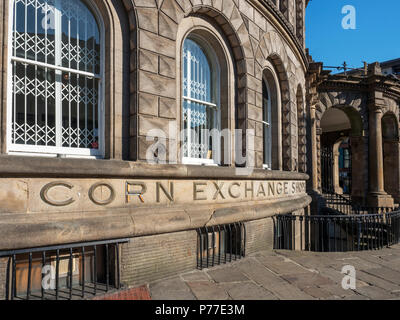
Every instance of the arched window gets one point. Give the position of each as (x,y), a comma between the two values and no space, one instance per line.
(271,121)
(201,106)
(267,128)
(55,79)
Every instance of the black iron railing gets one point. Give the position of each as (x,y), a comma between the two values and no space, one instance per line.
(338,202)
(73,271)
(342,204)
(337,233)
(220,244)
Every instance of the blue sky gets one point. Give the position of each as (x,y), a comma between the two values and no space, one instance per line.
(376,38)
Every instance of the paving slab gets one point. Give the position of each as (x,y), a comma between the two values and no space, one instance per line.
(359,263)
(374,280)
(247,291)
(171,289)
(318,293)
(195,276)
(232,274)
(386,274)
(292,275)
(208,291)
(375,293)
(337,292)
(287,291)
(259,274)
(281,267)
(305,280)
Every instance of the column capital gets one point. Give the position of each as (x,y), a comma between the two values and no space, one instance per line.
(376,101)
(375,107)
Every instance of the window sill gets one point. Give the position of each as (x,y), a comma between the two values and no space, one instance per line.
(199,162)
(53,155)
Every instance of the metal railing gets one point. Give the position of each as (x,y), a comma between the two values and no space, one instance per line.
(220,244)
(69,272)
(338,202)
(341,204)
(337,233)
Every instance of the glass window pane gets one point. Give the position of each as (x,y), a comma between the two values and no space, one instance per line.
(39,91)
(267,128)
(198,91)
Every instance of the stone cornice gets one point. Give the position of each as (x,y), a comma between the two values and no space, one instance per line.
(17,166)
(362,84)
(284,28)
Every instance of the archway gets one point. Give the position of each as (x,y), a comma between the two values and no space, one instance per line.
(342,166)
(390,141)
(341,145)
(335,127)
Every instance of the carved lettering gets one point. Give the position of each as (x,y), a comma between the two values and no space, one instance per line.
(45,197)
(247,189)
(130,190)
(271,188)
(218,191)
(101,202)
(60,193)
(286,186)
(234,184)
(197,190)
(279,188)
(261,190)
(168,193)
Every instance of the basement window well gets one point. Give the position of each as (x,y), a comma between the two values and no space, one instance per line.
(65,272)
(220,244)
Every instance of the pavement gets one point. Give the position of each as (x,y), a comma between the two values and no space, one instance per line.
(290,275)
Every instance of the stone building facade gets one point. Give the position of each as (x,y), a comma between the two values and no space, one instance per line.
(360,107)
(92,90)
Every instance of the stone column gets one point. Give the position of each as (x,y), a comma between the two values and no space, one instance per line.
(377,196)
(359,169)
(314,150)
(336,180)
(391,168)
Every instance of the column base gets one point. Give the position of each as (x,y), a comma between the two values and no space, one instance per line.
(338,189)
(396,198)
(380,200)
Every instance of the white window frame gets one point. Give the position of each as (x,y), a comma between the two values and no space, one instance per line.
(215,88)
(56,151)
(267,127)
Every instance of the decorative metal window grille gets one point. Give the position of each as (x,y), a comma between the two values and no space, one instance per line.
(267,129)
(65,272)
(220,244)
(55,79)
(200,110)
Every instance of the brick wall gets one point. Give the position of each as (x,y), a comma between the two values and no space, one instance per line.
(3,275)
(259,235)
(147,259)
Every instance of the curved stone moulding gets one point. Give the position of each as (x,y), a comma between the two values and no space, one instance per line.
(20,230)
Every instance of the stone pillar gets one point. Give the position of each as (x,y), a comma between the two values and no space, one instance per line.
(391,168)
(336,180)
(377,196)
(313,151)
(359,169)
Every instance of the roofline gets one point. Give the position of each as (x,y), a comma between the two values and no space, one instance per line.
(388,62)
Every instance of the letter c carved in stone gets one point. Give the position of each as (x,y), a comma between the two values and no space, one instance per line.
(45,197)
